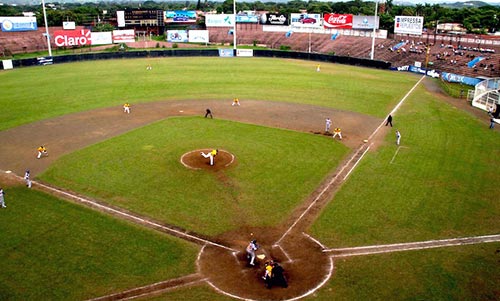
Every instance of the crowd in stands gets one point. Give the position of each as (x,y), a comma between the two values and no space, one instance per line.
(452,57)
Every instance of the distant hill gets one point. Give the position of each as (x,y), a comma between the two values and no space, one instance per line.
(449,4)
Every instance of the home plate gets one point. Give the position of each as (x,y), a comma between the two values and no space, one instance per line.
(261,256)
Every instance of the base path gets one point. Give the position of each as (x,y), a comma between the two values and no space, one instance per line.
(68,133)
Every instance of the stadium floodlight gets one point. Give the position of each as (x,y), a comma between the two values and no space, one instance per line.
(46,28)
(234,26)
(372,54)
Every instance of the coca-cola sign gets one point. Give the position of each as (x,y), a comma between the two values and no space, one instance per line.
(337,21)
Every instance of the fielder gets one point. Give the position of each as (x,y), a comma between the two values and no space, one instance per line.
(126,108)
(337,132)
(236,102)
(42,151)
(2,201)
(398,137)
(211,155)
(27,178)
(328,124)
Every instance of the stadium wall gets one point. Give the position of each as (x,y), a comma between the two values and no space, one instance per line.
(202,53)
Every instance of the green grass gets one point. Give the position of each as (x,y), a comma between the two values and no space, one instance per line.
(55,250)
(454,273)
(61,89)
(440,184)
(141,171)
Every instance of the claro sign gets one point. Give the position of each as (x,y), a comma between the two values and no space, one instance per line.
(72,37)
(337,21)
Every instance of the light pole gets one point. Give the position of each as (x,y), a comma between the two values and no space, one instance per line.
(234,26)
(46,27)
(372,54)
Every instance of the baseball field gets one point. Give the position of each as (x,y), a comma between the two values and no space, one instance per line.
(116,212)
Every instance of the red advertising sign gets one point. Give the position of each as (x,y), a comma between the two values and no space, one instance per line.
(337,21)
(72,37)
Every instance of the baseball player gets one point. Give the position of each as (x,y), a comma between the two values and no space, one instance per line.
(337,132)
(27,178)
(318,69)
(208,113)
(126,108)
(328,124)
(2,200)
(42,151)
(236,102)
(398,137)
(211,155)
(251,248)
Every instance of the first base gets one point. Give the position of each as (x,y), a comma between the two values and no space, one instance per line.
(8,171)
(365,141)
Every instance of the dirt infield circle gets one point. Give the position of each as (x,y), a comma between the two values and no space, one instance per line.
(194,160)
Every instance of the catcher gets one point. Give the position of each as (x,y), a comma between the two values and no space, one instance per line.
(211,155)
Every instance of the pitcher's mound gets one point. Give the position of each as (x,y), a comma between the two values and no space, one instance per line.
(195,160)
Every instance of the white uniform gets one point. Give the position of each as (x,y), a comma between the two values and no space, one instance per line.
(251,248)
(328,124)
(210,155)
(398,137)
(2,201)
(27,178)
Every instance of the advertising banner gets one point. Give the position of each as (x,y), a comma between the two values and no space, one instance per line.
(177,36)
(101,38)
(244,18)
(337,21)
(120,18)
(180,16)
(226,52)
(66,38)
(69,25)
(7,64)
(408,25)
(244,52)
(124,36)
(364,22)
(274,19)
(305,20)
(18,23)
(198,36)
(219,20)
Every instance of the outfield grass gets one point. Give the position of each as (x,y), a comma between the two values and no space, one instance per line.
(55,250)
(141,171)
(455,273)
(441,184)
(56,90)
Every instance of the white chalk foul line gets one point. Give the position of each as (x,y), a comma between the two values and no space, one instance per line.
(132,217)
(356,163)
(314,240)
(396,107)
(317,197)
(422,245)
(115,296)
(289,259)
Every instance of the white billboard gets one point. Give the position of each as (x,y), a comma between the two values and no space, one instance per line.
(408,25)
(219,20)
(305,20)
(120,18)
(68,25)
(124,36)
(198,36)
(101,38)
